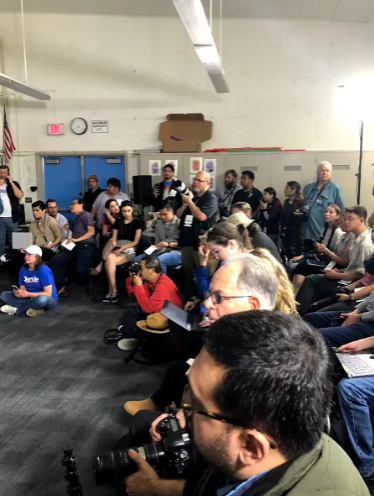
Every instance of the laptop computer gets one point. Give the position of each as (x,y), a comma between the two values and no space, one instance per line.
(21,240)
(189,321)
(356,364)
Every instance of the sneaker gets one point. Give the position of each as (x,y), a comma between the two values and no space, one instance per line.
(114,298)
(133,407)
(95,272)
(128,344)
(5,258)
(107,298)
(112,336)
(8,309)
(32,312)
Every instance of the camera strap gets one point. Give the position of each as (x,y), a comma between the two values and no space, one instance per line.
(318,195)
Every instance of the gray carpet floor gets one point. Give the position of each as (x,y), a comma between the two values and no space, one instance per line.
(62,387)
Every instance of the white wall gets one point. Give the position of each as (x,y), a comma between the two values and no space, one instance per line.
(283,77)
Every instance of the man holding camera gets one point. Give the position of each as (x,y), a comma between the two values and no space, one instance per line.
(197,214)
(256,441)
(167,190)
(150,288)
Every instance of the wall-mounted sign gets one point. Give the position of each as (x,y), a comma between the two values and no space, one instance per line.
(55,129)
(100,126)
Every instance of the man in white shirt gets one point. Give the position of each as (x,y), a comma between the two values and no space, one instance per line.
(61,219)
(10,195)
(113,192)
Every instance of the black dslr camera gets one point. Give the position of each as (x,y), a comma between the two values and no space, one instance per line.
(135,269)
(170,457)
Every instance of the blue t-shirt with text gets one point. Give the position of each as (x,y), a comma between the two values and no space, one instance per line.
(36,280)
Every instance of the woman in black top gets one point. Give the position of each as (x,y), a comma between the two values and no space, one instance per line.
(270,214)
(127,231)
(292,220)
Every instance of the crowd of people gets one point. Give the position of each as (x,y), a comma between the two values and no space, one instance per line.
(276,291)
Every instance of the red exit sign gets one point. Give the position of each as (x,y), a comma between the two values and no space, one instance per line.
(55,129)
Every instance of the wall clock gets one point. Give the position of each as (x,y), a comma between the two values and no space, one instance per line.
(79,126)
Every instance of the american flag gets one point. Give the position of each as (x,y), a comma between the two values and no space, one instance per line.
(9,147)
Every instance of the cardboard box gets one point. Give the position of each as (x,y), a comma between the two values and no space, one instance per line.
(185,132)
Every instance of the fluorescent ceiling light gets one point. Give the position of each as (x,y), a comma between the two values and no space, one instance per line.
(23,88)
(194,19)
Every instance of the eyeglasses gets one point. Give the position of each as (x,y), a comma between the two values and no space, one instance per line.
(350,219)
(191,408)
(217,298)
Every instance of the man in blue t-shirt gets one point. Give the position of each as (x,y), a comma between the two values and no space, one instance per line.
(36,292)
(166,191)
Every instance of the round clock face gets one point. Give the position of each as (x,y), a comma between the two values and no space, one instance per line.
(79,125)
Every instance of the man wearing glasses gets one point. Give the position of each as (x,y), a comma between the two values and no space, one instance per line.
(255,420)
(317,287)
(197,214)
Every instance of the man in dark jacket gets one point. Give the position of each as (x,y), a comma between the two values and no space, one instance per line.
(257,441)
(10,195)
(166,190)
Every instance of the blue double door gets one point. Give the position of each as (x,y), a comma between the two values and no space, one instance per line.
(65,178)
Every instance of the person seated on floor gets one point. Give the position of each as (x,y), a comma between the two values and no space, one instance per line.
(127,231)
(242,215)
(319,286)
(356,397)
(343,327)
(37,291)
(269,215)
(256,273)
(82,252)
(62,221)
(251,439)
(313,261)
(111,215)
(150,288)
(166,240)
(346,297)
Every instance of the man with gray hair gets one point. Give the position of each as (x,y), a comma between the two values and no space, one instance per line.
(317,196)
(243,283)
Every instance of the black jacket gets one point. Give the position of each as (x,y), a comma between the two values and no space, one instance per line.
(175,200)
(14,201)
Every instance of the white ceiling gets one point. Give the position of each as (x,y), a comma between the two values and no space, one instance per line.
(329,10)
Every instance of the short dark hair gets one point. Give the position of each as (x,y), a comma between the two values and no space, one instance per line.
(80,202)
(232,172)
(169,166)
(152,263)
(127,203)
(249,174)
(271,191)
(39,204)
(50,200)
(278,376)
(166,205)
(113,181)
(108,202)
(359,210)
(3,166)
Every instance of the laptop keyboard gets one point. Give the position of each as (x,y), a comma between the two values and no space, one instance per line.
(356,365)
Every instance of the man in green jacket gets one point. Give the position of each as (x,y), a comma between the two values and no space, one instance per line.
(256,405)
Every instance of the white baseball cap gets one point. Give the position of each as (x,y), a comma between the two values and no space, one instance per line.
(34,250)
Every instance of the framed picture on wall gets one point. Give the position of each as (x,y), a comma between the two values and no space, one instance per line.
(213,183)
(192,177)
(174,163)
(210,165)
(155,167)
(196,165)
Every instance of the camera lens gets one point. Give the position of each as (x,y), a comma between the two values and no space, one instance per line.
(114,466)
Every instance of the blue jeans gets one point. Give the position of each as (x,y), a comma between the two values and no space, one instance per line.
(7,227)
(169,259)
(23,304)
(82,255)
(337,335)
(355,398)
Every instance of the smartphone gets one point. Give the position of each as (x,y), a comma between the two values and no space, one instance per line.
(14,287)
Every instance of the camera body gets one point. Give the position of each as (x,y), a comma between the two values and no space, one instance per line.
(181,187)
(170,457)
(135,269)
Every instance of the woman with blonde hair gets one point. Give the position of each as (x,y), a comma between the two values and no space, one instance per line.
(285,300)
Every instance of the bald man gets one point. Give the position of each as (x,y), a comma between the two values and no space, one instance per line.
(197,214)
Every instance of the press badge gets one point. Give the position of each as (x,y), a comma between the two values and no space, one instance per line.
(188,221)
(173,193)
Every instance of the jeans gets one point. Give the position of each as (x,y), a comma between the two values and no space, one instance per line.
(337,335)
(83,254)
(355,397)
(314,288)
(170,259)
(23,304)
(130,318)
(7,227)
